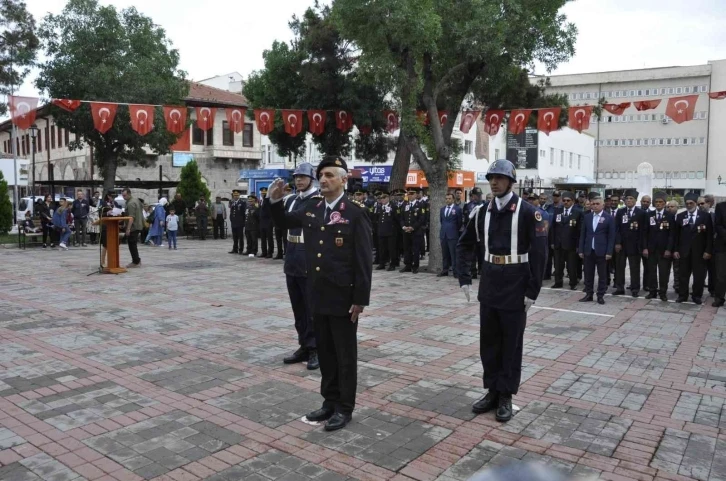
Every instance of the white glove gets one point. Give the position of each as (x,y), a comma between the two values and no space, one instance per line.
(467,292)
(528,303)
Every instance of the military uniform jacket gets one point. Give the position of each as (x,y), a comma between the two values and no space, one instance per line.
(565,229)
(295,259)
(630,231)
(466,212)
(237,213)
(660,235)
(505,286)
(694,239)
(387,220)
(413,215)
(253,217)
(265,215)
(339,253)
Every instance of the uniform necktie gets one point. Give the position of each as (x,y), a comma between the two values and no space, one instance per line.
(327,214)
(690,218)
(448,211)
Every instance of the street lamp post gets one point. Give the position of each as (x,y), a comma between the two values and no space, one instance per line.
(33,135)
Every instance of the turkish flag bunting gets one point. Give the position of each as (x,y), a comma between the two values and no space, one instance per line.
(265,119)
(343,120)
(548,119)
(67,104)
(316,121)
(293,120)
(205,117)
(580,117)
(518,120)
(681,109)
(22,111)
(365,129)
(176,118)
(468,117)
(142,118)
(103,115)
(616,109)
(422,116)
(391,120)
(647,104)
(492,121)
(718,95)
(443,117)
(236,119)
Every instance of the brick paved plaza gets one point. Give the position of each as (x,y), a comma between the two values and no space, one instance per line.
(174,371)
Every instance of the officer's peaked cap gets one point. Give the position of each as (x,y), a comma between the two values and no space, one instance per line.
(502,167)
(331,161)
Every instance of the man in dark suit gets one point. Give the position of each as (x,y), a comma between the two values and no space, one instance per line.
(597,240)
(451,221)
(252,224)
(237,211)
(720,254)
(386,218)
(565,239)
(267,236)
(612,209)
(550,209)
(694,244)
(413,223)
(630,225)
(339,255)
(659,247)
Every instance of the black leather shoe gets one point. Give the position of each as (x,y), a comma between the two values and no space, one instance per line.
(313,362)
(405,269)
(587,298)
(681,299)
(647,289)
(504,411)
(718,303)
(380,267)
(486,404)
(232,252)
(619,292)
(652,295)
(635,293)
(301,355)
(338,421)
(557,285)
(279,258)
(664,298)
(442,274)
(322,414)
(573,288)
(697,300)
(414,270)
(601,300)
(391,268)
(473,276)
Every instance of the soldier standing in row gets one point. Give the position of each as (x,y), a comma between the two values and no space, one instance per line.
(565,239)
(659,247)
(413,225)
(252,226)
(513,237)
(694,245)
(237,211)
(475,199)
(267,237)
(388,225)
(630,225)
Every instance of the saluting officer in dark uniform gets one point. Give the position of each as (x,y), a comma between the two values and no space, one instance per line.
(694,244)
(266,235)
(513,237)
(296,271)
(630,226)
(386,220)
(413,224)
(660,235)
(565,238)
(252,224)
(237,211)
(475,199)
(339,253)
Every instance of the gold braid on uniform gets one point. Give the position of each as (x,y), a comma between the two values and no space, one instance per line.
(359,204)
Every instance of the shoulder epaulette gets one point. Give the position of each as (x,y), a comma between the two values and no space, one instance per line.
(316,196)
(359,204)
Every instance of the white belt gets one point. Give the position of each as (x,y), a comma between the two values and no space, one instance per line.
(295,239)
(502,260)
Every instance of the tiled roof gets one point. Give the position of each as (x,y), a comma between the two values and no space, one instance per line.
(203,93)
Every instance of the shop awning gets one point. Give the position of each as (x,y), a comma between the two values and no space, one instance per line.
(465,179)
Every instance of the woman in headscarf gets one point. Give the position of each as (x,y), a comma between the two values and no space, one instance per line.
(156,229)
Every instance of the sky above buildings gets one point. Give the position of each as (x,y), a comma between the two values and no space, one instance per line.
(215,37)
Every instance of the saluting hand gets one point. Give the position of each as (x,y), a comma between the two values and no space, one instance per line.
(274,191)
(355,311)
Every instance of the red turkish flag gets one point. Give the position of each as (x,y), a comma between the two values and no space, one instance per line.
(343,120)
(580,117)
(205,117)
(518,120)
(265,119)
(548,119)
(22,111)
(142,118)
(103,115)
(365,129)
(293,120)
(718,95)
(391,120)
(647,104)
(422,116)
(468,117)
(681,109)
(236,118)
(443,117)
(67,104)
(616,109)
(492,121)
(316,121)
(176,118)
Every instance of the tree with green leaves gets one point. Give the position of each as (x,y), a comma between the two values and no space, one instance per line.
(98,53)
(6,207)
(443,55)
(191,186)
(318,71)
(18,46)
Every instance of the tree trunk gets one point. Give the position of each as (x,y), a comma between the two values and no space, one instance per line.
(109,174)
(401,163)
(437,179)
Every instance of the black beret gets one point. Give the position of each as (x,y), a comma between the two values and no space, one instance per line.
(331,161)
(660,196)
(691,196)
(631,193)
(567,195)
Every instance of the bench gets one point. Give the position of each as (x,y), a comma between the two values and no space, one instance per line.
(23,237)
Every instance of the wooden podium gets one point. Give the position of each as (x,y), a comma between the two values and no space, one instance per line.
(112,244)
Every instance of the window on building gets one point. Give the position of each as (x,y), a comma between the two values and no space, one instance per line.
(579,161)
(39,141)
(685,141)
(210,136)
(686,90)
(679,90)
(562,158)
(693,141)
(227,134)
(702,140)
(468,147)
(197,135)
(247,136)
(609,143)
(668,141)
(552,156)
(704,88)
(661,141)
(699,174)
(571,158)
(676,141)
(52,136)
(60,137)
(496,154)
(691,175)
(67,136)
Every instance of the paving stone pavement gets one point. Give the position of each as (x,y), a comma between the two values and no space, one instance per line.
(174,372)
